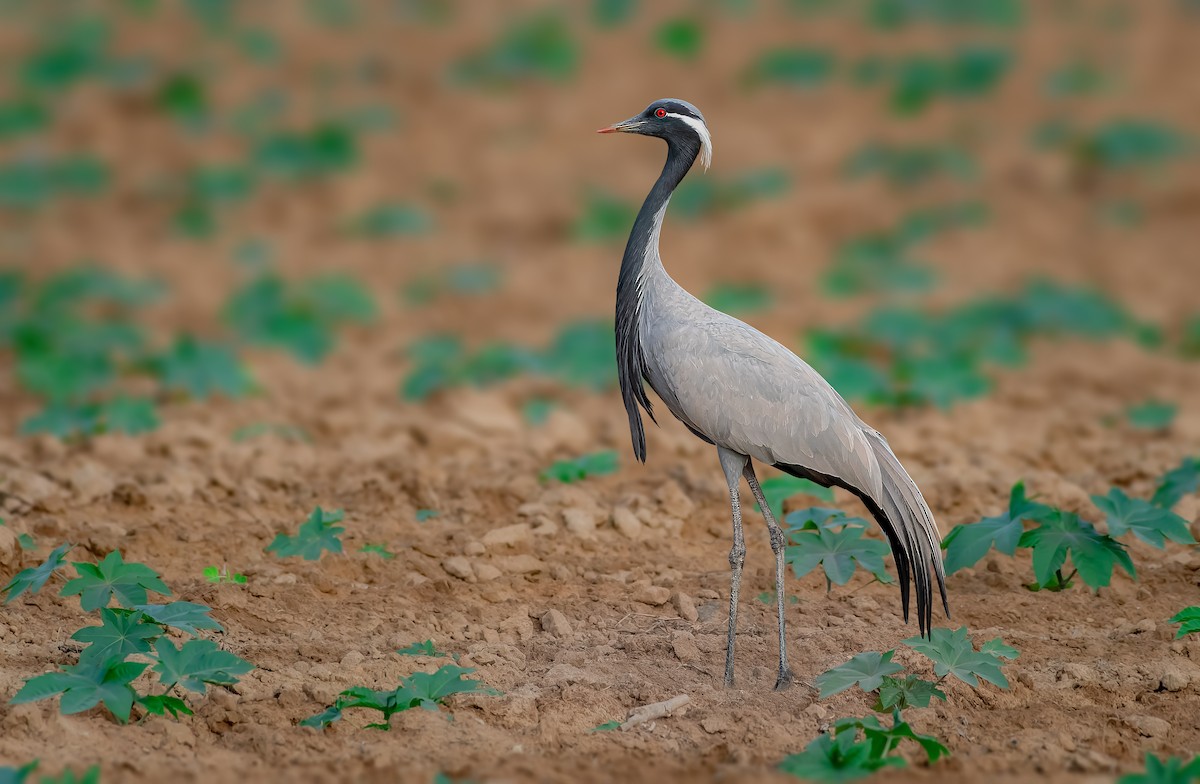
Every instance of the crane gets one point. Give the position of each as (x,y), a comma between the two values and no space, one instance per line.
(751,397)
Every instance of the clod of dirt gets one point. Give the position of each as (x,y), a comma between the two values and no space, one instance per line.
(654,595)
(507,536)
(458,566)
(1174,679)
(485,572)
(519,564)
(714,724)
(685,648)
(556,623)
(10,548)
(627,523)
(1149,726)
(1144,626)
(685,606)
(580,521)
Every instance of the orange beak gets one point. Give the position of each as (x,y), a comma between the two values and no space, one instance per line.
(622,127)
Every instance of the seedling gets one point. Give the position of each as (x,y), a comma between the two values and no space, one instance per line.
(422,515)
(538,46)
(952,653)
(34,578)
(682,38)
(391,220)
(710,195)
(906,166)
(317,535)
(577,469)
(1151,415)
(1178,482)
(1148,522)
(867,670)
(898,14)
(907,692)
(605,218)
(791,66)
(199,369)
(1189,621)
(378,549)
(425,648)
(1093,554)
(419,690)
(777,489)
(612,13)
(966,544)
(738,298)
(222,575)
(1171,770)
(838,552)
(97,584)
(12,775)
(769,597)
(607,726)
(842,756)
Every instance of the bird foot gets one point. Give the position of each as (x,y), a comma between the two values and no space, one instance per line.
(784,680)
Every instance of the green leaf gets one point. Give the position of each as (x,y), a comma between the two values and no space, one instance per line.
(425,648)
(323,719)
(594,464)
(9,775)
(1092,553)
(837,759)
(186,616)
(777,489)
(391,220)
(1178,482)
(317,535)
(1189,620)
(908,692)
(202,369)
(866,669)
(1152,415)
(85,685)
(119,635)
(682,38)
(607,726)
(1171,770)
(197,663)
(161,704)
(966,544)
(1148,522)
(130,415)
(89,776)
(735,298)
(97,584)
(419,690)
(425,514)
(884,739)
(34,578)
(447,680)
(837,552)
(377,549)
(953,654)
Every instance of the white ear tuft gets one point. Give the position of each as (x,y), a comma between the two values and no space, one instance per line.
(701,131)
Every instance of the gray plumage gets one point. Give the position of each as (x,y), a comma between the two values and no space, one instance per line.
(751,397)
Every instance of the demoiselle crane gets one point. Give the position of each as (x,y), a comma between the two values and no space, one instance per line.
(749,396)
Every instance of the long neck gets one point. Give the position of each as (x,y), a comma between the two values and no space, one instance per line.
(641,258)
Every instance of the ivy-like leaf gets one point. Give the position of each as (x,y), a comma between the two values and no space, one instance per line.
(1188,619)
(85,685)
(815,517)
(98,583)
(952,653)
(1093,554)
(836,759)
(966,544)
(33,578)
(201,369)
(197,663)
(119,635)
(866,669)
(162,704)
(908,692)
(317,534)
(425,648)
(1171,770)
(838,552)
(777,489)
(595,464)
(9,775)
(1147,521)
(884,740)
(1182,480)
(186,616)
(419,690)
(447,680)
(323,719)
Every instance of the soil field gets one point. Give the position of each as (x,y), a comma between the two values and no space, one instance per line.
(634,561)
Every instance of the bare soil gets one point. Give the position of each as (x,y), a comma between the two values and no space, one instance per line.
(1091,666)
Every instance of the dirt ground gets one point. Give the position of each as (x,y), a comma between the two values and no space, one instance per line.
(188,495)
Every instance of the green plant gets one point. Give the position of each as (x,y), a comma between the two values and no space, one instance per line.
(535,46)
(222,575)
(200,369)
(103,674)
(897,14)
(1151,415)
(611,13)
(419,690)
(605,218)
(1189,621)
(1147,521)
(952,653)
(425,514)
(390,220)
(1182,480)
(966,544)
(837,550)
(735,298)
(866,670)
(681,37)
(607,726)
(378,549)
(425,648)
(34,578)
(857,747)
(579,468)
(916,80)
(1171,770)
(905,166)
(710,195)
(1094,555)
(791,66)
(907,692)
(317,535)
(777,489)
(320,151)
(9,775)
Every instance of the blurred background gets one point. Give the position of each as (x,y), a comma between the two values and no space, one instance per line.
(218,199)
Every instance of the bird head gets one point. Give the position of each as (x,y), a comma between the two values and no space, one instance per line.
(676,121)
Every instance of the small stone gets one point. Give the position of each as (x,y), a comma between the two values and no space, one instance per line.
(708,594)
(1149,726)
(627,523)
(507,536)
(654,595)
(519,624)
(474,548)
(1174,679)
(556,623)
(685,606)
(351,659)
(10,547)
(685,648)
(1076,673)
(519,564)
(485,572)
(580,521)
(714,724)
(458,566)
(285,579)
(818,712)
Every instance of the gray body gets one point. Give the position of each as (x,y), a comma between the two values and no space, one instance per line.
(751,397)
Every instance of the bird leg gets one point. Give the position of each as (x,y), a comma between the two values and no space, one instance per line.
(733,463)
(777,544)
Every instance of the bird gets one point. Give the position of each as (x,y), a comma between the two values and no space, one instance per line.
(751,397)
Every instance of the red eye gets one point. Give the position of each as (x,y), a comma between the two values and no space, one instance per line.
(660,113)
